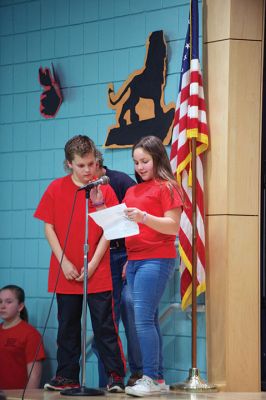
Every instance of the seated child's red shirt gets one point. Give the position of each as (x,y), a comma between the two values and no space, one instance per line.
(18,346)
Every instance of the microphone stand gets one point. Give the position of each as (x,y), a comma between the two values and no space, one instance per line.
(83,390)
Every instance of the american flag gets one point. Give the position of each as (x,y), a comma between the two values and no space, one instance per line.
(190,122)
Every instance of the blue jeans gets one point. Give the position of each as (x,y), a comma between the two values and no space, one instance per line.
(147,280)
(122,306)
(128,318)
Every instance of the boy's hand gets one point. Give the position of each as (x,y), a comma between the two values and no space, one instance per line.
(96,195)
(69,270)
(91,269)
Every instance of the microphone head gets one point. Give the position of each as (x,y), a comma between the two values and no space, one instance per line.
(105,180)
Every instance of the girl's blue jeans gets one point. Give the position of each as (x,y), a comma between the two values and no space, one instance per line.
(147,280)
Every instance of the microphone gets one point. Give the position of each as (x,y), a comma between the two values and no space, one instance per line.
(104,180)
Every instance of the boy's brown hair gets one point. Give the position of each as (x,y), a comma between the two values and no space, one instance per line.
(78,145)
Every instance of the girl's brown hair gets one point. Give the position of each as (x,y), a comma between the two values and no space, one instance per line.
(161,164)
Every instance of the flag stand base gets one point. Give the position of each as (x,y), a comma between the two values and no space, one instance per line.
(194,384)
(82,391)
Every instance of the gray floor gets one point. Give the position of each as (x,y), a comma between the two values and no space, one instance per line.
(39,394)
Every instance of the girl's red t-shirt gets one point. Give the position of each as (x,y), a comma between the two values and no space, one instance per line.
(18,346)
(155,198)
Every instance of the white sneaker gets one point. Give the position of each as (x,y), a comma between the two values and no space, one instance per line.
(164,388)
(145,386)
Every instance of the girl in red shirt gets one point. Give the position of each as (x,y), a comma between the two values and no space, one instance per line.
(156,205)
(19,342)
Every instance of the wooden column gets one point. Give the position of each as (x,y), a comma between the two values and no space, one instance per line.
(233,34)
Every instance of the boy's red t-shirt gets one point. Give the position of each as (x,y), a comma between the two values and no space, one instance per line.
(55,208)
(18,346)
(155,198)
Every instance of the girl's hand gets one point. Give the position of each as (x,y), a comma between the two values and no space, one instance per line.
(124,270)
(134,214)
(69,270)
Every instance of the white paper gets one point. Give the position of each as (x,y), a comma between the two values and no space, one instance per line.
(114,222)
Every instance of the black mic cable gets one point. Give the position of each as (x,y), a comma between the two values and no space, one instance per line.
(53,296)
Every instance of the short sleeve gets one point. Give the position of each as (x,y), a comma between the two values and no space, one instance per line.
(45,209)
(170,198)
(110,197)
(31,346)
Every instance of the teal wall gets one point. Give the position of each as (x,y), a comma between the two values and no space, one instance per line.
(91,43)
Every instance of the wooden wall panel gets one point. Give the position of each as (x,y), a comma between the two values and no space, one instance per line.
(250,24)
(233,80)
(233,334)
(243,305)
(216,20)
(216,273)
(244,115)
(217,88)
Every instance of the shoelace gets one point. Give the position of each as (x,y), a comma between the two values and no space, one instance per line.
(63,380)
(146,380)
(59,379)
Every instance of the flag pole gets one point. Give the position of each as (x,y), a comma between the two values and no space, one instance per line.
(194,383)
(194,256)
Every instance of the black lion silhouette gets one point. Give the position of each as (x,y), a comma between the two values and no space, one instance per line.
(146,83)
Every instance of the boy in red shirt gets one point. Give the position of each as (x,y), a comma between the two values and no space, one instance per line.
(55,209)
